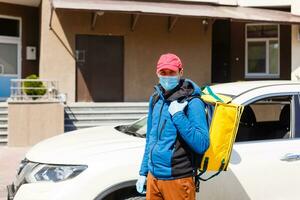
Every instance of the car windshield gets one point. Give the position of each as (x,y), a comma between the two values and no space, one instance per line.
(137,128)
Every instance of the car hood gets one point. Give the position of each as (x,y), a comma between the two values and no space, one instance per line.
(83,146)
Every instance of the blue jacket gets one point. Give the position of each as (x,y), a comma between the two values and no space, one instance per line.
(174,143)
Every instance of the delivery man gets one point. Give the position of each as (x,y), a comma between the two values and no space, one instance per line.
(177,134)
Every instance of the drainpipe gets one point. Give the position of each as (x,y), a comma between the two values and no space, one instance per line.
(51,16)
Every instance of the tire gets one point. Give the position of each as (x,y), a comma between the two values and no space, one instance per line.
(125,194)
(136,198)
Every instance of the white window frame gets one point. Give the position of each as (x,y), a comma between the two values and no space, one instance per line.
(18,42)
(267,41)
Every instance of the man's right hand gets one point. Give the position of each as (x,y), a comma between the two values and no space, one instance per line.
(140,184)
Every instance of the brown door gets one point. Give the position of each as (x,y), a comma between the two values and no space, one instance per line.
(221,51)
(99,65)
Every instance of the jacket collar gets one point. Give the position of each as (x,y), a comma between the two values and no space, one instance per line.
(184,89)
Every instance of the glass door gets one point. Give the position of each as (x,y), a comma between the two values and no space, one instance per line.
(8,67)
(10,52)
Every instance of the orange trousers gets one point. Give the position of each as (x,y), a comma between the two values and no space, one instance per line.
(177,189)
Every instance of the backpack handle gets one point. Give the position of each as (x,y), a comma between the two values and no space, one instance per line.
(211,93)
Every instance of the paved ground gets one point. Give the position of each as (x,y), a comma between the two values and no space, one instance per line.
(9,162)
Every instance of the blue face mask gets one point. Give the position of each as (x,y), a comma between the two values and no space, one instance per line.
(168,82)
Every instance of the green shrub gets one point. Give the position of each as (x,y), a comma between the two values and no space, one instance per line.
(33,84)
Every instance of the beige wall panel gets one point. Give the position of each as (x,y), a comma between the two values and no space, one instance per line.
(29,123)
(142,47)
(56,60)
(295,75)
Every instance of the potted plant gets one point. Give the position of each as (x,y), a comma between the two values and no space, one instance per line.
(33,88)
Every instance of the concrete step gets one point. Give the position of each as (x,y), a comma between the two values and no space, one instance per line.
(86,125)
(3,114)
(3,120)
(4,109)
(3,142)
(74,109)
(3,127)
(101,121)
(103,112)
(99,116)
(3,105)
(84,115)
(3,123)
(107,106)
(3,133)
(3,138)
(104,118)
(71,127)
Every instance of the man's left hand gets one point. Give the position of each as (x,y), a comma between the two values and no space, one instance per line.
(176,107)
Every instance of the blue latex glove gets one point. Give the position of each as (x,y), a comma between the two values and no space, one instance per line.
(140,184)
(176,107)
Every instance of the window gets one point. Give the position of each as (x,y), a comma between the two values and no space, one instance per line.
(9,58)
(9,27)
(255,124)
(10,46)
(10,52)
(262,50)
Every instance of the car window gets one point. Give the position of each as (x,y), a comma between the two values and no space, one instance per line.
(268,118)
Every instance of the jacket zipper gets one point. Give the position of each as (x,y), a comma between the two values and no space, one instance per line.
(157,135)
(162,128)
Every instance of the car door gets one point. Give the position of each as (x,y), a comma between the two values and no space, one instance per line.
(265,162)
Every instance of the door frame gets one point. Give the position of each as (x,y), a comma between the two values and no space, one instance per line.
(18,42)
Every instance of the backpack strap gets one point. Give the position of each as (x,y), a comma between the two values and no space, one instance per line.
(155,98)
(189,98)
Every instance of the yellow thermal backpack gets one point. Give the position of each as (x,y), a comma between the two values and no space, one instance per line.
(224,117)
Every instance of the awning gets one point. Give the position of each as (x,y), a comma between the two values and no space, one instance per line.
(180,9)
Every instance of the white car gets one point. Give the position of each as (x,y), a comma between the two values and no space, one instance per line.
(103,162)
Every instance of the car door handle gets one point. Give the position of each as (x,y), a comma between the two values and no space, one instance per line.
(290,157)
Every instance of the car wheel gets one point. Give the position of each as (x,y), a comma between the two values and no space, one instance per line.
(136,198)
(125,194)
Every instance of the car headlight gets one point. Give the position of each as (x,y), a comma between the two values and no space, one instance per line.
(22,164)
(55,173)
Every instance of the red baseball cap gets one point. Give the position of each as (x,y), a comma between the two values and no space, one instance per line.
(169,61)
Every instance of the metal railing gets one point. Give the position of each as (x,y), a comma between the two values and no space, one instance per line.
(37,90)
